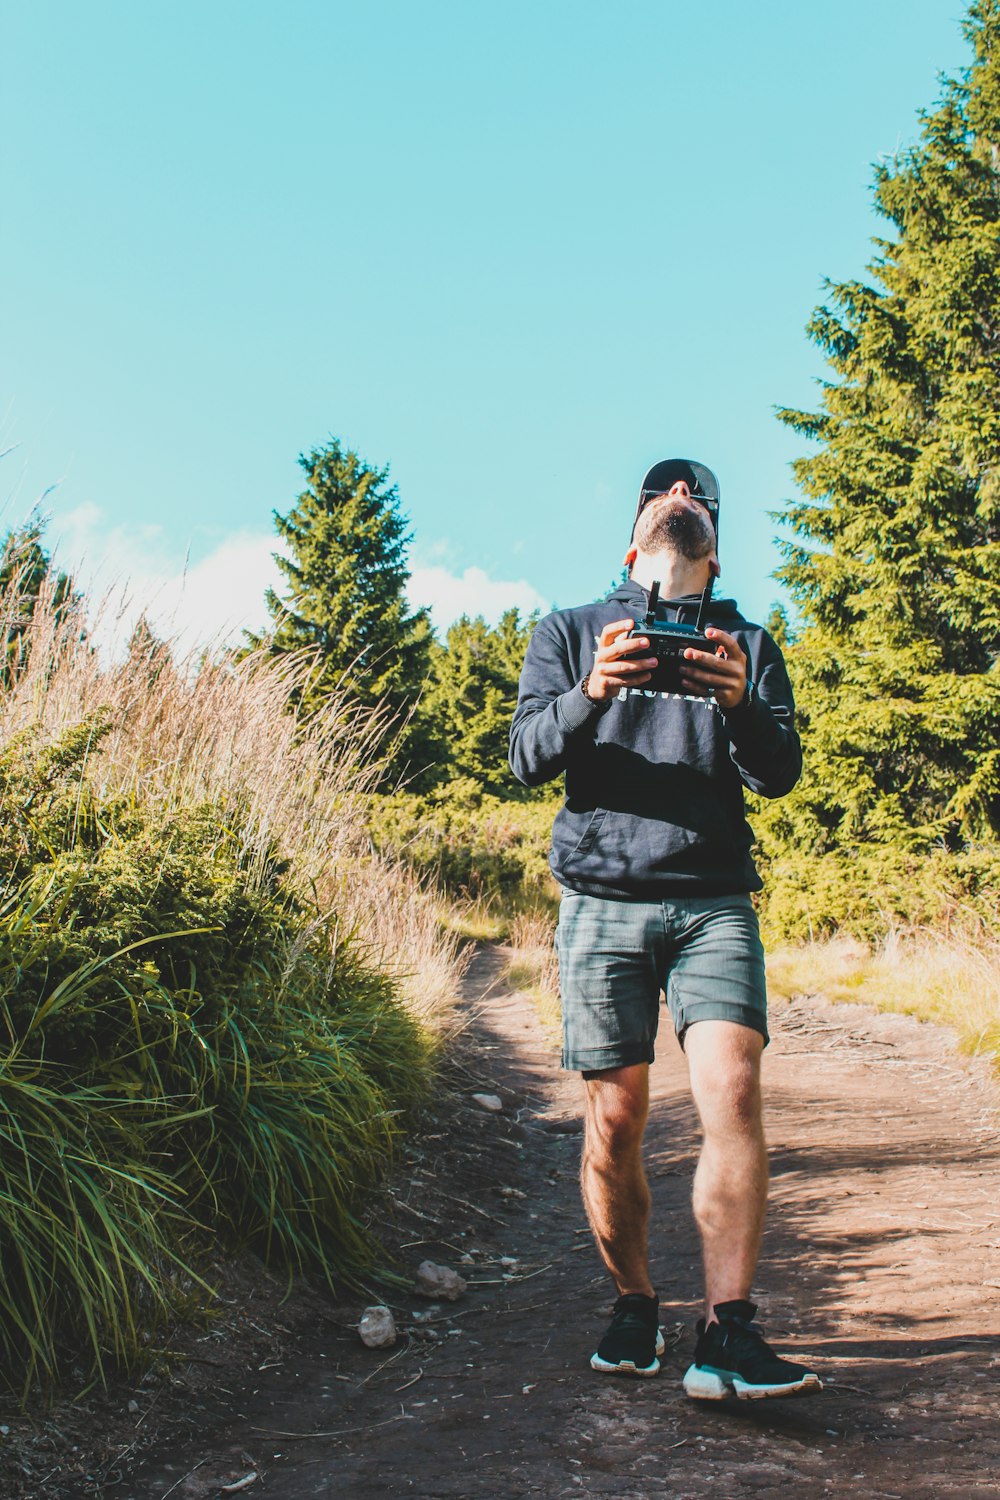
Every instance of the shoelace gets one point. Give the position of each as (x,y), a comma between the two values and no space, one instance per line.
(743,1337)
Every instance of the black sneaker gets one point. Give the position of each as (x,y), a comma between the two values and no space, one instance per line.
(731,1358)
(633,1340)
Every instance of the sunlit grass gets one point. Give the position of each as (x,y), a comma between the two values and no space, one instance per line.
(479,919)
(950,979)
(532,966)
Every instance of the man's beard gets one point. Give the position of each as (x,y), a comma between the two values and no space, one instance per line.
(674,528)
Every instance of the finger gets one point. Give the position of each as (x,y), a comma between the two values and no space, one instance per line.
(621,648)
(610,668)
(729,642)
(715,678)
(710,683)
(616,628)
(622,684)
(722,666)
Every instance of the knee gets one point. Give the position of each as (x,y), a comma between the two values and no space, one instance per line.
(615,1123)
(731,1101)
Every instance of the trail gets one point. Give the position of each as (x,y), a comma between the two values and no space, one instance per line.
(880,1263)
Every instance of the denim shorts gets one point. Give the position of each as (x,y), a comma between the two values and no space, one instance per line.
(615,957)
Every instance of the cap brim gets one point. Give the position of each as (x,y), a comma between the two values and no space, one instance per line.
(698,477)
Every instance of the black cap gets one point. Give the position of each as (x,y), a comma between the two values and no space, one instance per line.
(698,477)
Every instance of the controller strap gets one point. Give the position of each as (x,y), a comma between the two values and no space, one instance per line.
(705,598)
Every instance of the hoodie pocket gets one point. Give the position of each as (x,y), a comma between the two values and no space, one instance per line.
(590,834)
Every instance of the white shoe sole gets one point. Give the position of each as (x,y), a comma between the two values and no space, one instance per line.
(626,1367)
(704,1384)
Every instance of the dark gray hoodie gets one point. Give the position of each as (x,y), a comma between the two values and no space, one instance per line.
(654,781)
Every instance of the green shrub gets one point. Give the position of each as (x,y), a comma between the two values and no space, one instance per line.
(473,843)
(92,1236)
(188,1048)
(874,889)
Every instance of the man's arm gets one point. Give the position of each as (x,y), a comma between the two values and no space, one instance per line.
(760,722)
(552,708)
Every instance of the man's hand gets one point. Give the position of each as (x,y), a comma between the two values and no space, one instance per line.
(617,663)
(724,675)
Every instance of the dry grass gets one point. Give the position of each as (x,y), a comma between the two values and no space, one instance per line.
(953,980)
(532,966)
(212,728)
(479,919)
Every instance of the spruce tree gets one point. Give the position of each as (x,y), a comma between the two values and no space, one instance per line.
(25,570)
(473,695)
(894,562)
(347,573)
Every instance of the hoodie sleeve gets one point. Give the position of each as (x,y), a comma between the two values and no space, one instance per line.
(551,708)
(763,743)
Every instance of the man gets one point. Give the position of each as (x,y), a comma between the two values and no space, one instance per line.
(652,851)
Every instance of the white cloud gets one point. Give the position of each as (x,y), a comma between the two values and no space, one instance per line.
(448,596)
(128,572)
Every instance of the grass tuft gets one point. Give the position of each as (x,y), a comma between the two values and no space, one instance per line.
(532,966)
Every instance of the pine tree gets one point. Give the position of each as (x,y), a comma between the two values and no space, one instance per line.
(25,571)
(148,652)
(895,561)
(346,572)
(472,699)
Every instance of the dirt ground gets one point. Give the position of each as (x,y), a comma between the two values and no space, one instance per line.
(880,1264)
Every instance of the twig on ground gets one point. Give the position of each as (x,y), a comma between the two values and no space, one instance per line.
(392,1357)
(306,1436)
(199,1465)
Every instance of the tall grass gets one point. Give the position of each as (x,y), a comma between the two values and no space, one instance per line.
(216,1000)
(951,978)
(532,965)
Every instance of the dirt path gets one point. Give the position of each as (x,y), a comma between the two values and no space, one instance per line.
(881,1262)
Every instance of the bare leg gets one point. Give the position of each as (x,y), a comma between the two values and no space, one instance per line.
(612,1180)
(730,1183)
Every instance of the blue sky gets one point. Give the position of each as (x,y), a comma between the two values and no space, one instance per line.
(517,252)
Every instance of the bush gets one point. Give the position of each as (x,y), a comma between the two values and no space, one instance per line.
(474,844)
(189,1048)
(875,889)
(204,1029)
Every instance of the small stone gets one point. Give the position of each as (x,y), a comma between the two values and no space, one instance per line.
(509,1261)
(439,1281)
(377,1328)
(133,1407)
(492,1102)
